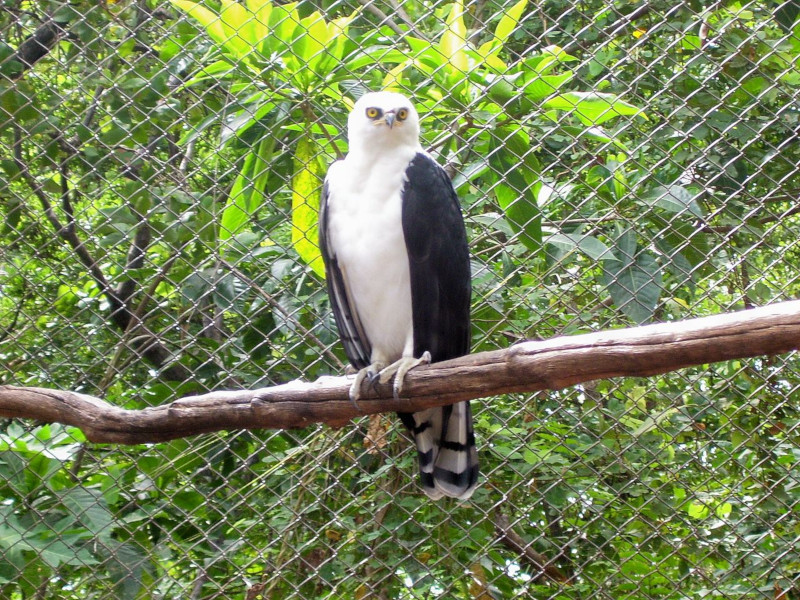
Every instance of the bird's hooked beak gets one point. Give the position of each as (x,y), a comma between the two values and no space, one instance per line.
(388,118)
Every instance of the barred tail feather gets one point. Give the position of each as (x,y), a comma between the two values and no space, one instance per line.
(448,459)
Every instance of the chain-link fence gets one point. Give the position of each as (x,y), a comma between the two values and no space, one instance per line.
(618,163)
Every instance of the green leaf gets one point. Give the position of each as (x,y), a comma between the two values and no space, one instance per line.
(454,40)
(337,38)
(634,281)
(284,23)
(592,108)
(130,569)
(522,214)
(375,55)
(247,192)
(505,27)
(310,45)
(508,22)
(596,134)
(587,244)
(55,553)
(517,193)
(239,22)
(675,199)
(239,122)
(88,507)
(540,87)
(217,27)
(653,422)
(548,59)
(697,510)
(10,529)
(224,294)
(306,186)
(786,14)
(261,10)
(723,510)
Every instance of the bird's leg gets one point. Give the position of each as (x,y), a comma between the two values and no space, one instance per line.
(400,368)
(371,373)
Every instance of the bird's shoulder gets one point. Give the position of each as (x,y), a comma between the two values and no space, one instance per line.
(424,167)
(334,171)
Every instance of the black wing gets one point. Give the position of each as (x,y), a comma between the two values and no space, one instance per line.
(440,295)
(355,342)
(438,261)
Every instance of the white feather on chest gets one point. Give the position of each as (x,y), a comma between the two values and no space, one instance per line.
(366,234)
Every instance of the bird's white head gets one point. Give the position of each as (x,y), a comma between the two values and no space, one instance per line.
(382,120)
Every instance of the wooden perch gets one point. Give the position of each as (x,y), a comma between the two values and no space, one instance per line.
(525,367)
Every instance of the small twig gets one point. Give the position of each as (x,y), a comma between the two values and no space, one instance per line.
(197,587)
(63,232)
(401,12)
(385,19)
(135,324)
(25,294)
(541,565)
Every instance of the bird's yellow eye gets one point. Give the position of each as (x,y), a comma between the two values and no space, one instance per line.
(402,114)
(373,113)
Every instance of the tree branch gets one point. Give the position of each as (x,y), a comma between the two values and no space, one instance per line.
(151,347)
(38,44)
(543,567)
(526,367)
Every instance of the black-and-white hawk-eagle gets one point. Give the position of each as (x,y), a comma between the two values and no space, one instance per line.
(397,265)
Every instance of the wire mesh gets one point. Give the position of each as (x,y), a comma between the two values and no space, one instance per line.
(618,164)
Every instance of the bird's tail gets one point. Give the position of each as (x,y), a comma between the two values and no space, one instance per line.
(448,459)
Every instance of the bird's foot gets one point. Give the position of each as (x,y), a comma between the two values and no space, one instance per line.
(399,369)
(370,373)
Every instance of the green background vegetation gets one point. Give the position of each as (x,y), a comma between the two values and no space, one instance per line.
(618,163)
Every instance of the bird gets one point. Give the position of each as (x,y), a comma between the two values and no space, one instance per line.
(394,245)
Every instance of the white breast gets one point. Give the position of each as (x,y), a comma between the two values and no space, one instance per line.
(366,235)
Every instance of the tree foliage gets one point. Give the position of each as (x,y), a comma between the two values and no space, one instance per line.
(617,164)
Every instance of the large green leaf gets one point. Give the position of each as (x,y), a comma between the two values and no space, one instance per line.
(634,280)
(337,38)
(539,87)
(284,21)
(88,507)
(453,43)
(246,194)
(261,10)
(587,244)
(505,27)
(592,108)
(518,202)
(675,199)
(309,46)
(519,185)
(223,30)
(306,187)
(239,21)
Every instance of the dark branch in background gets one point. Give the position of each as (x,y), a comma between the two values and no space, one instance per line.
(136,255)
(24,297)
(38,45)
(385,19)
(542,567)
(146,344)
(526,367)
(121,314)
